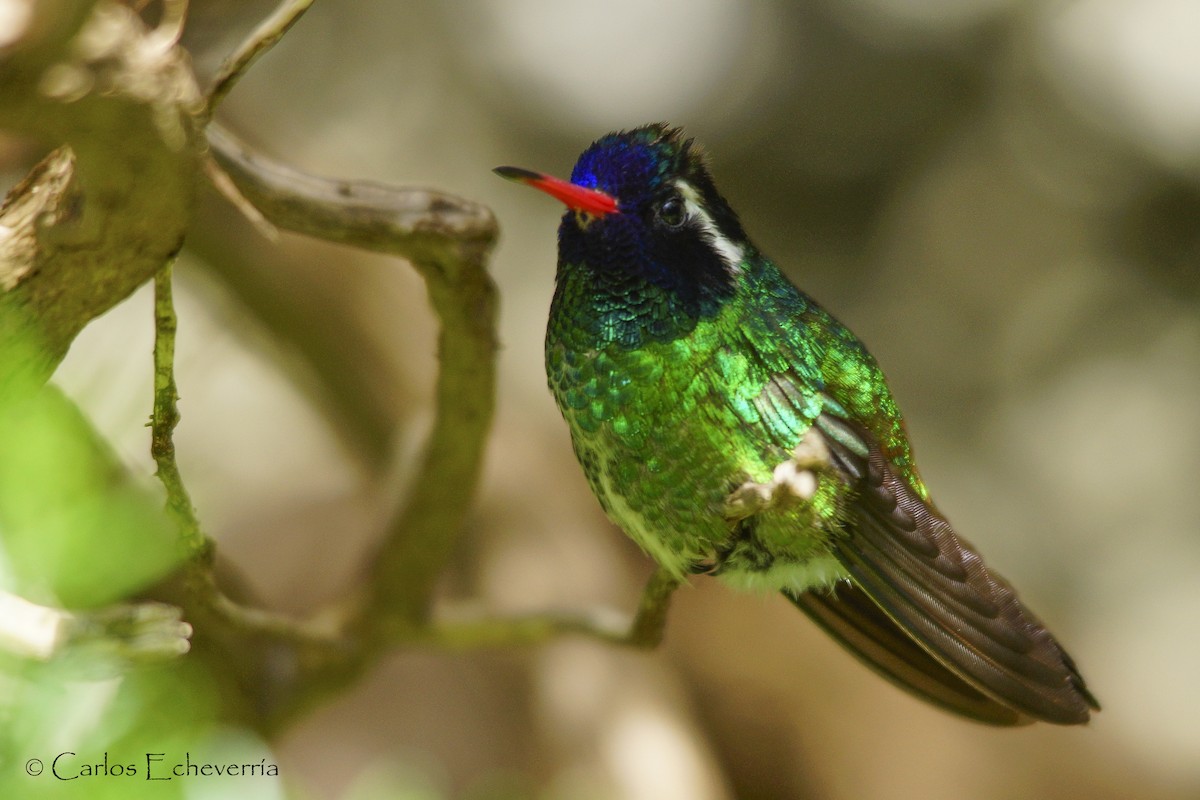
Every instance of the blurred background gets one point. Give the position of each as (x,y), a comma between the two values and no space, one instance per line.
(1001,197)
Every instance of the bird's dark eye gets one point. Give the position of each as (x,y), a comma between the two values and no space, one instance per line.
(671,213)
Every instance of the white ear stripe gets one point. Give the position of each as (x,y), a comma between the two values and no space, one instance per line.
(730,253)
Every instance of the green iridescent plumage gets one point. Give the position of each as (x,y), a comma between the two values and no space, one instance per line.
(665,430)
(691,371)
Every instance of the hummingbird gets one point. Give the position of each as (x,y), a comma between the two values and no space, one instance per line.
(730,425)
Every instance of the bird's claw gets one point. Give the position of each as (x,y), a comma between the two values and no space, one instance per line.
(792,481)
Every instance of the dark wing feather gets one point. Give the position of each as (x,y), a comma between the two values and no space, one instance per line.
(857,623)
(929,581)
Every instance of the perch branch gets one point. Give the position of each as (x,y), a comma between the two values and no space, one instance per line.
(645,631)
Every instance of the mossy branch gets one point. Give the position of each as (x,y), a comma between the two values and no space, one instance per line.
(447,240)
(165,416)
(121,105)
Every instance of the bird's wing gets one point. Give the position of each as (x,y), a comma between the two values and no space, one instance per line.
(937,593)
(854,620)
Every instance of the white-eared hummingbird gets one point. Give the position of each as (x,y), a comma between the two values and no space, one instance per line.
(730,425)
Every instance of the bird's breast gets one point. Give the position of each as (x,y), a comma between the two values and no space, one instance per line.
(657,432)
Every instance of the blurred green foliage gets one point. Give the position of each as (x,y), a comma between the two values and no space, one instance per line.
(74,531)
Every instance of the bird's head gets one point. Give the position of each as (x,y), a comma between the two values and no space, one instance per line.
(641,205)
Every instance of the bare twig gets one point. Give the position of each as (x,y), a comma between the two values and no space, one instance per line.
(262,39)
(427,227)
(228,189)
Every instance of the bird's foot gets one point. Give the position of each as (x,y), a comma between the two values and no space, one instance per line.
(792,481)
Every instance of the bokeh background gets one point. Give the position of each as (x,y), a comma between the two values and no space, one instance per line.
(1001,197)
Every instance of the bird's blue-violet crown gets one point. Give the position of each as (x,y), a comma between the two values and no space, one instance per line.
(641,168)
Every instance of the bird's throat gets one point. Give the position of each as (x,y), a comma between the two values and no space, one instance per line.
(594,309)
